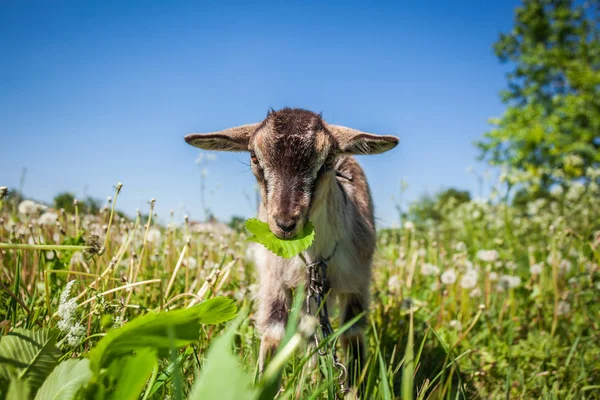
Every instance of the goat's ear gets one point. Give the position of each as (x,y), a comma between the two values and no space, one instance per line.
(232,139)
(352,141)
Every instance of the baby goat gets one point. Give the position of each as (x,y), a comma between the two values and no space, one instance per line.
(305,172)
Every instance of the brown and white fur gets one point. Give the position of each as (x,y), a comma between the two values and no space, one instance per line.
(305,171)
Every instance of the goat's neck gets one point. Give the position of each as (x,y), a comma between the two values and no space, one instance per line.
(328,217)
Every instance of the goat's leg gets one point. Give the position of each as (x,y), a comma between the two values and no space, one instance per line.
(352,305)
(273,306)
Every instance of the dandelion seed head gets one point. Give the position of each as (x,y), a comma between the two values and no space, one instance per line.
(536,269)
(448,276)
(154,235)
(27,207)
(487,255)
(455,324)
(469,279)
(428,269)
(48,218)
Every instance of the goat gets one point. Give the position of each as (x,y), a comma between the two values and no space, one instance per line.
(305,171)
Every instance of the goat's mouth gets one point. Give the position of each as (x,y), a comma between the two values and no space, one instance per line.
(287,232)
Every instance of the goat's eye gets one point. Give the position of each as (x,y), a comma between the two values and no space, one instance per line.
(253,157)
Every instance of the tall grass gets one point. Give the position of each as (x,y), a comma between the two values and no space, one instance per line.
(493,302)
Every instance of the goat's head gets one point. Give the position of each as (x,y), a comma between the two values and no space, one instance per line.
(292,154)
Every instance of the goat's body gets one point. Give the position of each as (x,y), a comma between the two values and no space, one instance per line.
(344,227)
(304,172)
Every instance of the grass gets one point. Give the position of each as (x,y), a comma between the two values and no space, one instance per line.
(490,302)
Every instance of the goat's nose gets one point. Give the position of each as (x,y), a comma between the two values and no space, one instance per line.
(286,225)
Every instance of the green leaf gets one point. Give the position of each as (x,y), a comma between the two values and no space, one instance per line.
(133,374)
(222,377)
(66,380)
(18,390)
(151,331)
(287,248)
(28,355)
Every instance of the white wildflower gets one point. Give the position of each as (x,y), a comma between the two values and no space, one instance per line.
(563,308)
(49,255)
(394,283)
(27,207)
(460,247)
(565,265)
(449,276)
(511,265)
(154,236)
(192,263)
(475,293)
(430,269)
(536,269)
(48,218)
(455,324)
(493,276)
(409,226)
(469,279)
(66,309)
(508,282)
(75,335)
(487,255)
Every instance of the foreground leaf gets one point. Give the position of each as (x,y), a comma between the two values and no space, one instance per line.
(18,390)
(222,377)
(66,380)
(261,233)
(28,355)
(151,331)
(134,373)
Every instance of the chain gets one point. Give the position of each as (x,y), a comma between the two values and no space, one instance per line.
(317,289)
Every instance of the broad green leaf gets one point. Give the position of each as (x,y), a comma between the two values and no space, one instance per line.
(133,374)
(18,390)
(28,355)
(66,380)
(221,376)
(151,331)
(283,248)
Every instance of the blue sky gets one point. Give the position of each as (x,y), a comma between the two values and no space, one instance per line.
(93,93)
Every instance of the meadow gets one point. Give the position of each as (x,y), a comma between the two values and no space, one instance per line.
(492,301)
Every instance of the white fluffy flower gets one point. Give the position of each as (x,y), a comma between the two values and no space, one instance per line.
(508,282)
(487,255)
(449,276)
(430,269)
(536,269)
(469,279)
(475,293)
(192,263)
(460,247)
(154,235)
(27,207)
(48,218)
(75,335)
(455,324)
(409,226)
(394,283)
(66,309)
